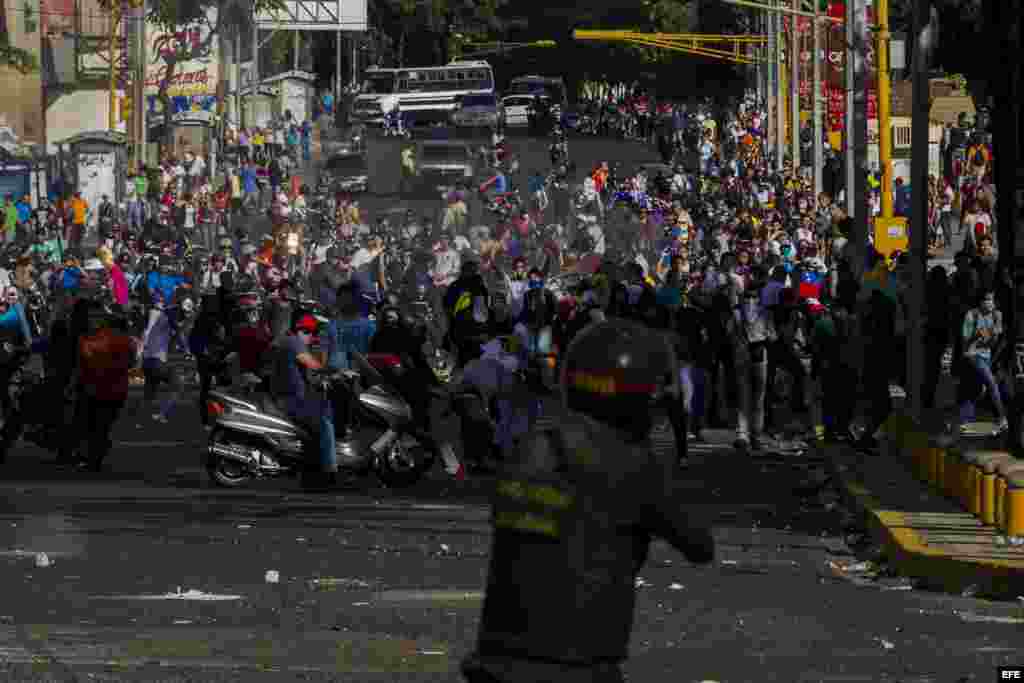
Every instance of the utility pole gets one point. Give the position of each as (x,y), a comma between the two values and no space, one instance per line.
(849,134)
(1005,27)
(884,104)
(818,158)
(780,74)
(857,152)
(919,213)
(255,73)
(115,61)
(337,70)
(794,87)
(140,90)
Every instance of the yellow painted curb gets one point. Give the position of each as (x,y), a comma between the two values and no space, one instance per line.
(911,556)
(988,486)
(1004,472)
(1015,505)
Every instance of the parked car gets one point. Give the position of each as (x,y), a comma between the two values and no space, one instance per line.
(441,163)
(477,111)
(516,109)
(345,173)
(351,141)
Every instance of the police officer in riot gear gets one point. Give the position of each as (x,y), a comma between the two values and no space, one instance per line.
(583,502)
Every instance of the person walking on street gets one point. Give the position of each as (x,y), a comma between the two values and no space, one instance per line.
(106,355)
(981,333)
(10,219)
(79,217)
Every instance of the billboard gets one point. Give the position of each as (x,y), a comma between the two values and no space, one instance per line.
(316,15)
(197,68)
(193,84)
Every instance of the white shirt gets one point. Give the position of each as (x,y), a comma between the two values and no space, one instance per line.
(363,257)
(446,265)
(198,167)
(517,290)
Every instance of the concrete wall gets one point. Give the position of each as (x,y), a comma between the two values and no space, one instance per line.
(78,112)
(21,104)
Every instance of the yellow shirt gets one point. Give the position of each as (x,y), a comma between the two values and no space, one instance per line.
(79,207)
(258,139)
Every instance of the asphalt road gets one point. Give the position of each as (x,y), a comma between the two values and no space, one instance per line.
(153,575)
(386,585)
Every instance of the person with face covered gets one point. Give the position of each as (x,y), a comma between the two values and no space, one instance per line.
(537,316)
(753,331)
(594,476)
(467,305)
(397,336)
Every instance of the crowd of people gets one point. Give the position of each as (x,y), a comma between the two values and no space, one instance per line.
(748,271)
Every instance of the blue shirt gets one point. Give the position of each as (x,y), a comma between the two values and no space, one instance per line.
(501,184)
(14,319)
(248,176)
(24,211)
(165,284)
(345,336)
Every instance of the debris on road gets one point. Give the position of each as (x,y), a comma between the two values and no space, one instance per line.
(245,526)
(42,560)
(272,576)
(640,583)
(329,583)
(676,587)
(888,645)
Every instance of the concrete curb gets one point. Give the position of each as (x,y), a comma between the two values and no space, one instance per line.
(905,548)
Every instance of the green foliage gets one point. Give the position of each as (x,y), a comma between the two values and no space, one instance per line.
(17,58)
(425,31)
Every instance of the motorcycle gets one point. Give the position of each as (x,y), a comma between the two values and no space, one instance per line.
(255,439)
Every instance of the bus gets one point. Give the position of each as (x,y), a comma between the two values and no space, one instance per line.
(552,87)
(424,94)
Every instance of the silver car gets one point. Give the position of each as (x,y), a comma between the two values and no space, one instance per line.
(442,163)
(516,109)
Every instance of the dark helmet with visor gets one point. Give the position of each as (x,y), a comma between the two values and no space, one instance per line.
(619,373)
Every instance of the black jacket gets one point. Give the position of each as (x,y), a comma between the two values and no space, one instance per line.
(574,517)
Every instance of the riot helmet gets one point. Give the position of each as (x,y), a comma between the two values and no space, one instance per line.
(618,373)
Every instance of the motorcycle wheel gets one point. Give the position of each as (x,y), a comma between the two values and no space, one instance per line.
(405,462)
(225,472)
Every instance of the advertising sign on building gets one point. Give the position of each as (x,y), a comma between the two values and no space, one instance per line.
(192,82)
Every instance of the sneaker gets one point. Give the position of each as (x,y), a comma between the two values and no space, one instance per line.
(157,417)
(1001,428)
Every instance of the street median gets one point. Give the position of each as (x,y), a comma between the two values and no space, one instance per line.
(950,517)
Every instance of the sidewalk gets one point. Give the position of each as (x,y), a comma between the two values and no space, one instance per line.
(914,499)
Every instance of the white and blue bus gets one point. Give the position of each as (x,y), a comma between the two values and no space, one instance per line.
(423,94)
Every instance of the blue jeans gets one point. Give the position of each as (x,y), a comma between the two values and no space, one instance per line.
(983,368)
(316,414)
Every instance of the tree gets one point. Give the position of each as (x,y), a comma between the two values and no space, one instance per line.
(191,30)
(11,55)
